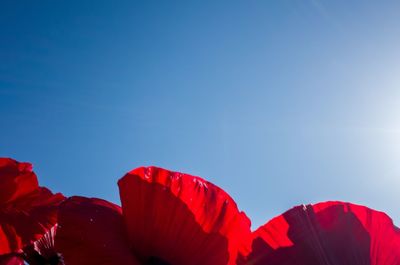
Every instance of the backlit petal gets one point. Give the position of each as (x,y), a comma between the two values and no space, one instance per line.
(333,233)
(91,232)
(27,211)
(181,219)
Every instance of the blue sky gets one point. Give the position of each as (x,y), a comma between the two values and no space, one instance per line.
(278,102)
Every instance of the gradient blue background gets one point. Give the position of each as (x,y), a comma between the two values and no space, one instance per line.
(278,102)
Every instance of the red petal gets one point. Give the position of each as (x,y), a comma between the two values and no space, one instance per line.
(181,219)
(327,233)
(27,211)
(11,260)
(16,180)
(91,232)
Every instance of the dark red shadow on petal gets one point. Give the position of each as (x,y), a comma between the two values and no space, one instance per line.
(27,211)
(30,217)
(313,245)
(16,180)
(11,259)
(91,232)
(331,233)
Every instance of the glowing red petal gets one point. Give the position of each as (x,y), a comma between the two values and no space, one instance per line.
(181,219)
(91,232)
(27,211)
(334,233)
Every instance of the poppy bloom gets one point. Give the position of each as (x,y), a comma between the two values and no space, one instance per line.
(173,218)
(177,219)
(27,211)
(166,218)
(331,233)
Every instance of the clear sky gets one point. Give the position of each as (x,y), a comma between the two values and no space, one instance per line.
(277,102)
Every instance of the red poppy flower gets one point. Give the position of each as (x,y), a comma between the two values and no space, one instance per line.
(173,218)
(333,233)
(27,211)
(166,218)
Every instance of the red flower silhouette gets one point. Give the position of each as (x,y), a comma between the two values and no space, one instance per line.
(330,233)
(27,211)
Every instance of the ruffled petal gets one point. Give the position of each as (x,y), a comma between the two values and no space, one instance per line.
(91,232)
(181,219)
(334,233)
(16,180)
(27,211)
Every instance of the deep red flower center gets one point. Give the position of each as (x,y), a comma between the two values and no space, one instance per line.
(156,261)
(32,257)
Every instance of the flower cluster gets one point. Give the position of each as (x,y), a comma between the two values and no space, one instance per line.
(177,219)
